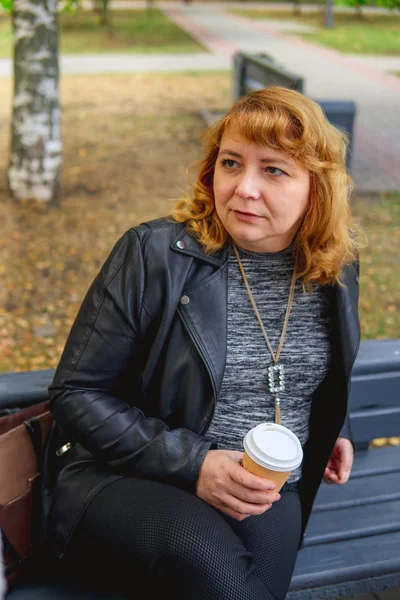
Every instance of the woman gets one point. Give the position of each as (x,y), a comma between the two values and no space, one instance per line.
(166,367)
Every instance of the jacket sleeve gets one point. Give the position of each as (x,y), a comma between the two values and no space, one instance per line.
(103,341)
(346,429)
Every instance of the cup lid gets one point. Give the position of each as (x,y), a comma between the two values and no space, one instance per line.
(274,446)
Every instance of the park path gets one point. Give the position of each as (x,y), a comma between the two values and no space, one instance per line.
(328,75)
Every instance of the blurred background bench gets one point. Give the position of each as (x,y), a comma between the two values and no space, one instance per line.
(252,72)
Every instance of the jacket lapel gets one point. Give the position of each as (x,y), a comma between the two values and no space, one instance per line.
(205,316)
(203,307)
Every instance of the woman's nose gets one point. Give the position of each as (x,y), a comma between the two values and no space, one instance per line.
(248,186)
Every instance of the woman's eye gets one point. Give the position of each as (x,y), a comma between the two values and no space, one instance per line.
(229,162)
(275,171)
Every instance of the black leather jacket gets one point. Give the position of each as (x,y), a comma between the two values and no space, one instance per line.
(136,386)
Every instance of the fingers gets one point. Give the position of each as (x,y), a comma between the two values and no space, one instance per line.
(245,501)
(228,487)
(240,516)
(244,509)
(345,467)
(248,480)
(340,463)
(343,476)
(249,489)
(332,476)
(253,496)
(242,502)
(239,510)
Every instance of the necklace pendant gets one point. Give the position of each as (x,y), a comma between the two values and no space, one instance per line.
(277,410)
(276,372)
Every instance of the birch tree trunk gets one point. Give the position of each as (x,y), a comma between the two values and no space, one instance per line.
(36,150)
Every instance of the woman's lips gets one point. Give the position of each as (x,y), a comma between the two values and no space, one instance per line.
(246,216)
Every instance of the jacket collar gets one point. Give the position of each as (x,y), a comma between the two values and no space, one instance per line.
(346,296)
(185,243)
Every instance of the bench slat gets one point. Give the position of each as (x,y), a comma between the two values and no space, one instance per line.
(375,461)
(351,534)
(374,390)
(358,489)
(377,356)
(338,562)
(356,521)
(370,424)
(356,502)
(362,588)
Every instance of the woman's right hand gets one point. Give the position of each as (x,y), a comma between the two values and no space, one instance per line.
(228,487)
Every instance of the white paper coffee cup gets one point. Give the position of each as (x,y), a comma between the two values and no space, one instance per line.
(272,451)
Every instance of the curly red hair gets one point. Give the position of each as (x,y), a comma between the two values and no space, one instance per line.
(288,121)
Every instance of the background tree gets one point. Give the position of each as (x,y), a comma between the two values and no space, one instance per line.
(35,162)
(297,7)
(390,4)
(359,4)
(101,8)
(328,19)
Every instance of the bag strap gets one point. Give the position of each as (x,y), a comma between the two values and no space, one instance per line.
(12,417)
(35,430)
(16,559)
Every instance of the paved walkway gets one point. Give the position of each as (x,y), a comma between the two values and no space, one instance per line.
(328,75)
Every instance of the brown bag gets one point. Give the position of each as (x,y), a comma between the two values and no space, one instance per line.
(22,438)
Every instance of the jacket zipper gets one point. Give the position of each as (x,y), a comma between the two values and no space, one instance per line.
(193,337)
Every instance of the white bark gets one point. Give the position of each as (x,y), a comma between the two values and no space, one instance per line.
(36,149)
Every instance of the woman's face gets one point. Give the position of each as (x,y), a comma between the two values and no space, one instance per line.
(260,194)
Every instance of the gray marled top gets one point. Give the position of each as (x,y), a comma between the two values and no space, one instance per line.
(244,398)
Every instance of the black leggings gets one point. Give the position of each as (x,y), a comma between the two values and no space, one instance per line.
(138,531)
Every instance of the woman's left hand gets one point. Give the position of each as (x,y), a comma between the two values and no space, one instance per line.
(339,465)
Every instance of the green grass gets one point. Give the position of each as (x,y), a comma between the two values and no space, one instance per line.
(5,36)
(136,31)
(380,272)
(372,34)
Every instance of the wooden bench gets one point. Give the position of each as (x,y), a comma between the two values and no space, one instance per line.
(256,71)
(352,542)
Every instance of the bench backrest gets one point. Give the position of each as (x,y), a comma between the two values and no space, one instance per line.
(375,392)
(256,71)
(25,388)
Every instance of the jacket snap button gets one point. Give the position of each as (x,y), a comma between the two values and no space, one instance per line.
(185,300)
(180,244)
